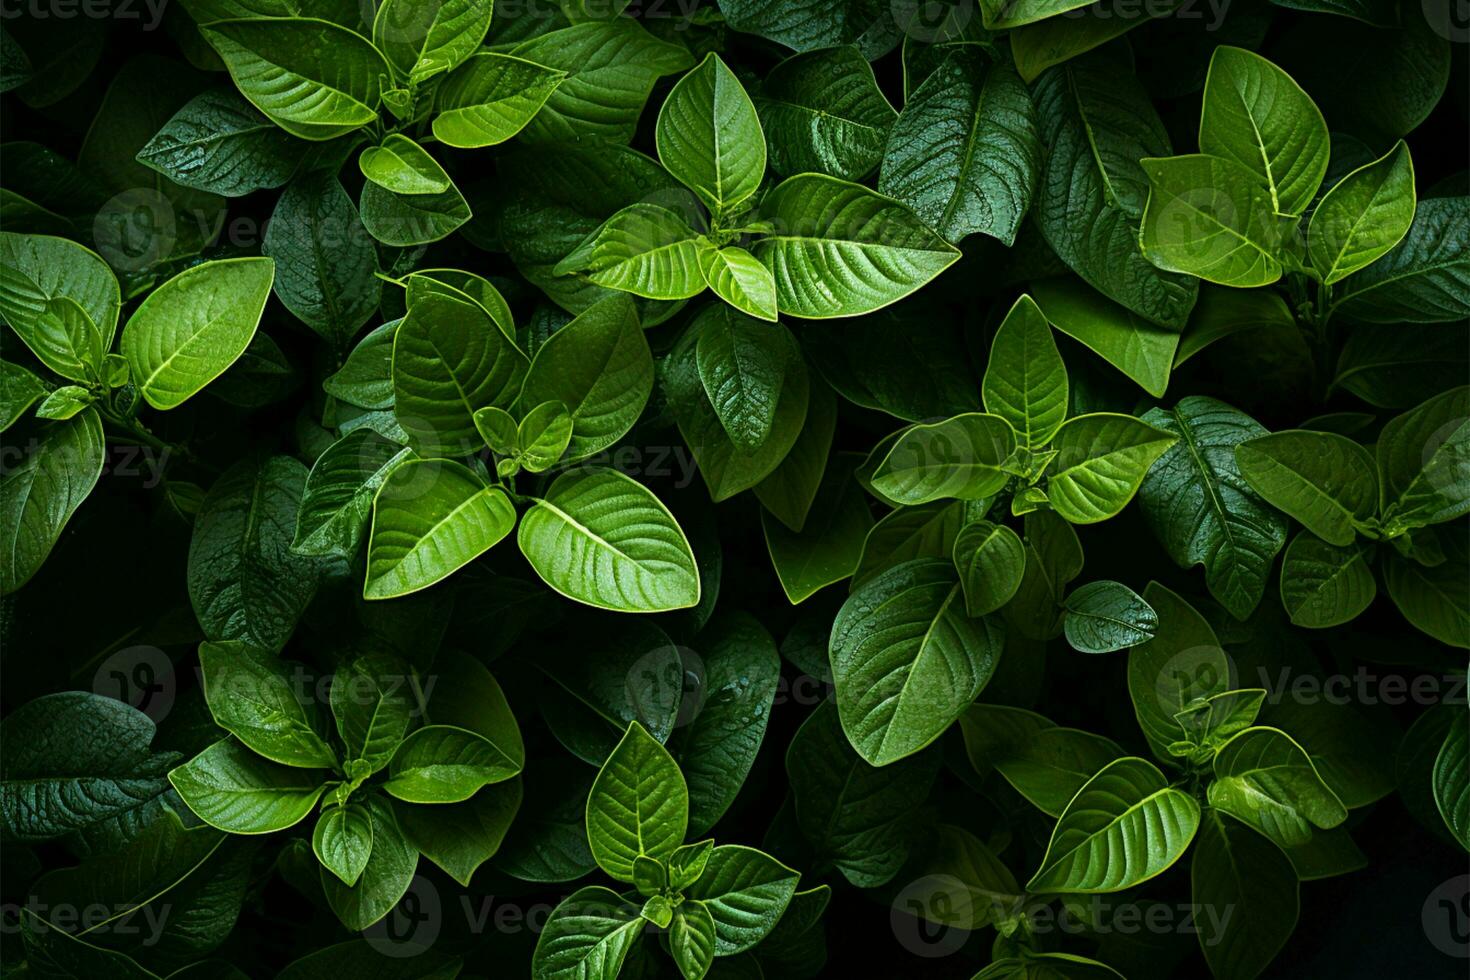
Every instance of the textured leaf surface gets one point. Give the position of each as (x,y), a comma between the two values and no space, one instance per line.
(603,539)
(1203,511)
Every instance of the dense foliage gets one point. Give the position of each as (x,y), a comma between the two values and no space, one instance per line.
(1098,606)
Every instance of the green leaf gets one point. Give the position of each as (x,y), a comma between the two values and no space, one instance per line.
(1326,481)
(1213,719)
(218,143)
(1045,764)
(1124,826)
(746,892)
(400,165)
(710,402)
(543,435)
(1266,780)
(314,79)
(1181,664)
(1142,350)
(906,659)
(710,138)
(603,539)
(366,379)
(78,763)
(791,489)
(965,153)
(1223,312)
(1451,780)
(742,366)
(639,805)
(1256,116)
(194,326)
(688,863)
(587,937)
(1097,122)
(857,816)
(1424,279)
(60,954)
(644,249)
(424,39)
(342,841)
(339,492)
(36,270)
(636,678)
(598,366)
(449,360)
(244,581)
(925,531)
(1236,868)
(1424,463)
(39,494)
(20,389)
(1393,365)
(829,545)
(1106,616)
(373,707)
(462,837)
(657,909)
(1205,217)
(385,879)
(1025,380)
(231,788)
(490,98)
(1435,600)
(1002,14)
(1351,748)
(959,457)
(1053,559)
(325,259)
(611,68)
(446,764)
(991,561)
(839,249)
(738,278)
(1203,511)
(66,340)
(430,519)
(1040,45)
(822,112)
(400,219)
(1365,215)
(1101,461)
(739,671)
(251,696)
(1324,584)
(692,939)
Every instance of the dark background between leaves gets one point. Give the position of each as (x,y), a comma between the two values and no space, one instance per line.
(117,577)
